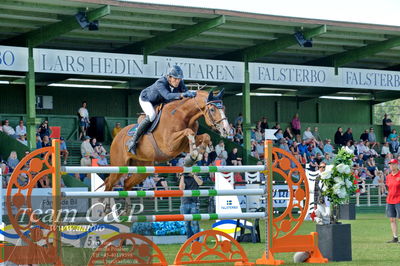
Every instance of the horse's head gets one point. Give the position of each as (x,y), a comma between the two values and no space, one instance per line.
(215,113)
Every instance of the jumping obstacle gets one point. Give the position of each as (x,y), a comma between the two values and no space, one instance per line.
(280,231)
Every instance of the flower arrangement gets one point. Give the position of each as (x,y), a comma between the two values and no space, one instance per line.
(339,182)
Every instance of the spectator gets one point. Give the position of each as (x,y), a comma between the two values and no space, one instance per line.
(315,149)
(239,134)
(8,129)
(284,145)
(102,161)
(371,166)
(87,148)
(372,138)
(254,149)
(296,125)
(380,181)
(20,129)
(93,142)
(359,160)
(394,141)
(63,150)
(277,126)
(99,148)
(288,136)
(212,155)
(387,127)
(232,132)
(350,147)
(279,135)
(116,129)
(369,151)
(12,161)
(233,158)
(44,182)
(313,165)
(308,136)
(1,127)
(84,121)
(339,136)
(348,135)
(149,184)
(38,142)
(328,148)
(46,142)
(205,161)
(385,149)
(294,149)
(316,135)
(361,148)
(190,205)
(44,129)
(22,139)
(393,198)
(303,151)
(239,120)
(260,149)
(161,183)
(264,124)
(327,159)
(220,150)
(364,135)
(85,160)
(258,136)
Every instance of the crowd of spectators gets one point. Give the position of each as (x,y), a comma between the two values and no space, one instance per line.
(307,146)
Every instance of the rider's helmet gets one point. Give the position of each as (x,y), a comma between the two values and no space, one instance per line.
(176,72)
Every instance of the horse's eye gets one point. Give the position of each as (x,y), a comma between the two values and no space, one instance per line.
(212,110)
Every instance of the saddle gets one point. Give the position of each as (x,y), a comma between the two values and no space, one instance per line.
(153,125)
(149,132)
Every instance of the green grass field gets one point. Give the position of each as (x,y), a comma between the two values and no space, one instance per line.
(369,234)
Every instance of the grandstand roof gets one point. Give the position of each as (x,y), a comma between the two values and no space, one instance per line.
(205,33)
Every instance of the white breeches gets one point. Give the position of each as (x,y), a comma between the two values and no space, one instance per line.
(148,108)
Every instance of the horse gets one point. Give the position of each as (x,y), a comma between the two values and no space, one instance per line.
(174,134)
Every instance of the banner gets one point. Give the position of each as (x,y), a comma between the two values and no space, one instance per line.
(130,65)
(314,76)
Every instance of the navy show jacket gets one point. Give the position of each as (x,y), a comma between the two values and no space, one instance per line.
(160,92)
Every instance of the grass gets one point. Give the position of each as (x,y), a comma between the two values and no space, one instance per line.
(369,233)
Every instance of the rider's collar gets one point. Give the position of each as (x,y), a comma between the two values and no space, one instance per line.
(217,103)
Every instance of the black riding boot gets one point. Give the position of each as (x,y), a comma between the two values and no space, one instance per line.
(143,126)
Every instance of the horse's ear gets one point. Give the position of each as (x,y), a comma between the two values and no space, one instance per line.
(211,95)
(220,94)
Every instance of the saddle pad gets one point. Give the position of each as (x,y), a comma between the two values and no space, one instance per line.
(152,127)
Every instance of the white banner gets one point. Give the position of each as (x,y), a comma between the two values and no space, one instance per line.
(13,58)
(297,75)
(127,65)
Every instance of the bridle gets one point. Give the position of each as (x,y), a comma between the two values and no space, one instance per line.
(209,117)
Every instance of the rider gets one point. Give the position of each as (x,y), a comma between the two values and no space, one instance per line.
(164,90)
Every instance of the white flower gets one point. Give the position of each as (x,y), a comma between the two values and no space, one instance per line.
(349,183)
(338,180)
(341,168)
(337,187)
(347,170)
(326,174)
(324,188)
(342,193)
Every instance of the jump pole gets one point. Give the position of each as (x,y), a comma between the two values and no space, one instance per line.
(160,169)
(163,193)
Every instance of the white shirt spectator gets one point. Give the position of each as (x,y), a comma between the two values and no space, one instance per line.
(361,148)
(149,183)
(220,149)
(20,130)
(8,130)
(83,112)
(308,135)
(385,150)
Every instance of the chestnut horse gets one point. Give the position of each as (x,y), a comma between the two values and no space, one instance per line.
(175,133)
